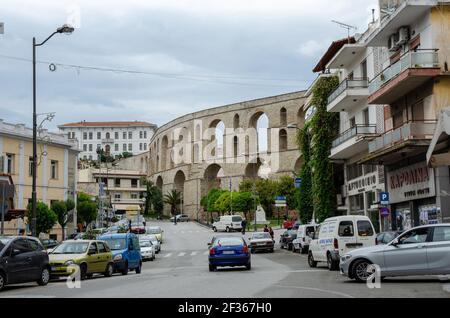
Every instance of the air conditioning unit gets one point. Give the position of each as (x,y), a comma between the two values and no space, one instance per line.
(393,39)
(403,36)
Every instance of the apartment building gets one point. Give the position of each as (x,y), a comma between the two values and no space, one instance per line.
(114,138)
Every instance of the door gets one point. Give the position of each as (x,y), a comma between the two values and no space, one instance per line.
(438,251)
(409,256)
(19,262)
(323,244)
(94,261)
(38,258)
(104,256)
(365,233)
(347,237)
(136,253)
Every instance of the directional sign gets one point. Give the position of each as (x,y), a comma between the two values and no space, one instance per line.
(298,183)
(280,198)
(384,198)
(2,28)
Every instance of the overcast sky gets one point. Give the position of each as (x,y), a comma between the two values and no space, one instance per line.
(200,53)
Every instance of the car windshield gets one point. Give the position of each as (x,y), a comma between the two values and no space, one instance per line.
(72,248)
(229,242)
(258,236)
(116,243)
(292,232)
(145,243)
(153,230)
(236,219)
(3,242)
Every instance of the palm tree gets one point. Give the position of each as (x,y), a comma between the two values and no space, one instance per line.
(173,198)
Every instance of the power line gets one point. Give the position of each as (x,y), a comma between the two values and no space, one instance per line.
(179,76)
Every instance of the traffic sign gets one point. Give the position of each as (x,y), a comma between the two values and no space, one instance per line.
(298,183)
(2,27)
(280,198)
(384,198)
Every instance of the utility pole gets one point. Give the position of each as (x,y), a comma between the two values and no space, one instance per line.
(3,208)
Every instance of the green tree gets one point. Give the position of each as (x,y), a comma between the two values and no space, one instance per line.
(304,195)
(127,155)
(45,218)
(157,200)
(60,209)
(173,198)
(70,205)
(87,208)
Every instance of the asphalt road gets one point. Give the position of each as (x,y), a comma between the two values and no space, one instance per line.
(181,270)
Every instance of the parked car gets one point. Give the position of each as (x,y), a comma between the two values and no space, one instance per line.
(304,237)
(154,241)
(287,238)
(156,231)
(229,252)
(424,250)
(92,256)
(386,237)
(147,249)
(339,235)
(288,224)
(49,244)
(180,218)
(228,223)
(126,252)
(23,260)
(261,242)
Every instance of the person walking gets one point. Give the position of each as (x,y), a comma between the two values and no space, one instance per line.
(266,229)
(272,234)
(244,226)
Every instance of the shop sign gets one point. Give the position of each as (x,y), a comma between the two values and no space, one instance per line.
(411,183)
(362,184)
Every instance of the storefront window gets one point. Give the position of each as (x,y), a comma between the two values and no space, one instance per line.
(357,204)
(403,219)
(429,214)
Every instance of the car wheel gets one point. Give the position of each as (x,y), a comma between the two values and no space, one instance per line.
(45,277)
(290,247)
(139,268)
(2,281)
(227,229)
(125,269)
(109,270)
(311,262)
(212,268)
(214,229)
(272,250)
(332,265)
(359,270)
(304,250)
(83,271)
(248,266)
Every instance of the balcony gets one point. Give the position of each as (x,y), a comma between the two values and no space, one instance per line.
(352,142)
(410,72)
(348,95)
(410,139)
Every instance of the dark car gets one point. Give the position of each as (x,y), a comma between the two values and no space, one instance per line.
(49,244)
(229,251)
(286,239)
(23,260)
(386,237)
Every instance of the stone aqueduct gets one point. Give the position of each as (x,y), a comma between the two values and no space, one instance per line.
(185,154)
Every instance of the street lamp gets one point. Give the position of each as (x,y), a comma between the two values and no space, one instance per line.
(66,29)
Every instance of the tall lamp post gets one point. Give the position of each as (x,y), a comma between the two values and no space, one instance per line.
(67,30)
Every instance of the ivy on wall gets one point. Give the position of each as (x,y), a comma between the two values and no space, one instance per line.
(324,126)
(304,198)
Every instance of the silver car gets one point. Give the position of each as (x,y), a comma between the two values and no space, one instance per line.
(424,250)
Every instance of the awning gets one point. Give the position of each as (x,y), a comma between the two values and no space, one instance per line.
(438,154)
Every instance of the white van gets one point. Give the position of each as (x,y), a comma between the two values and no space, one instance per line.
(338,235)
(228,223)
(304,232)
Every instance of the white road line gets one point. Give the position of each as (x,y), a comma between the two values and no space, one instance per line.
(317,289)
(168,255)
(193,253)
(206,253)
(181,254)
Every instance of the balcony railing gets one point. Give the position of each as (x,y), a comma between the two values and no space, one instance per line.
(416,59)
(348,84)
(357,130)
(409,130)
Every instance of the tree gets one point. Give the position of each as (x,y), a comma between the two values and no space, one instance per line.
(127,155)
(157,200)
(87,208)
(173,198)
(60,209)
(45,218)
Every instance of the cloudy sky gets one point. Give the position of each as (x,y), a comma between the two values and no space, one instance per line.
(188,54)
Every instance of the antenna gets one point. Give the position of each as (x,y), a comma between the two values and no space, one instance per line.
(345,26)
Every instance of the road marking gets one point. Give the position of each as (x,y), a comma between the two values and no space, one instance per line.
(168,255)
(307,271)
(206,253)
(317,289)
(181,254)
(193,253)
(446,288)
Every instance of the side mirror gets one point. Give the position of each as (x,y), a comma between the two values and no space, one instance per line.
(395,242)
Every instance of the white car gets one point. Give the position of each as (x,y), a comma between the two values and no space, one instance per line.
(147,249)
(339,235)
(154,240)
(304,237)
(228,223)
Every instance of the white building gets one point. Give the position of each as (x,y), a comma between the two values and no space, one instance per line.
(114,138)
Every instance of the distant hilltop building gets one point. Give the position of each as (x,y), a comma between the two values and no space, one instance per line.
(113,137)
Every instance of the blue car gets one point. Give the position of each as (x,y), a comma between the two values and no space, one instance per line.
(229,252)
(125,250)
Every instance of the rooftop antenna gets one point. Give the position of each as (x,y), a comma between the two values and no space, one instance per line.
(345,26)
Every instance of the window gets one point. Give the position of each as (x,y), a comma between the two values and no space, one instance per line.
(99,147)
(92,249)
(364,69)
(84,157)
(145,134)
(283,116)
(54,169)
(84,135)
(130,147)
(101,247)
(134,183)
(108,135)
(141,135)
(134,196)
(117,196)
(84,147)
(124,147)
(346,229)
(117,183)
(124,135)
(130,135)
(30,166)
(365,228)
(145,146)
(441,234)
(369,169)
(90,147)
(10,163)
(116,135)
(354,171)
(116,147)
(2,160)
(140,146)
(366,117)
(34,245)
(415,236)
(357,203)
(352,122)
(99,135)
(283,140)
(90,157)
(21,245)
(91,135)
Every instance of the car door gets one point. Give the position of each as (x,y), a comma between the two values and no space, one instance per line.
(324,241)
(365,234)
(93,258)
(136,252)
(409,256)
(347,237)
(19,262)
(438,251)
(38,257)
(104,256)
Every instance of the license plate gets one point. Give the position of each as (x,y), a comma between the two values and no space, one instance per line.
(261,244)
(228,252)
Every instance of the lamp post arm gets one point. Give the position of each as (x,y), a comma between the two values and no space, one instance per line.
(51,35)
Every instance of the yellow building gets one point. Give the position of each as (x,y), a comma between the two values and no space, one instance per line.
(56,171)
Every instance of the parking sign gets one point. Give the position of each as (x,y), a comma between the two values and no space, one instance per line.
(384,198)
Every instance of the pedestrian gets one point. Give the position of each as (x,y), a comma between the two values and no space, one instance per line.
(266,229)
(22,232)
(244,226)
(272,234)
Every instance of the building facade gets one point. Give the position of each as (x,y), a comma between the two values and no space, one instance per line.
(114,138)
(56,174)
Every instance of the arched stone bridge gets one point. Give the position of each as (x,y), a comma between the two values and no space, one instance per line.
(189,153)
